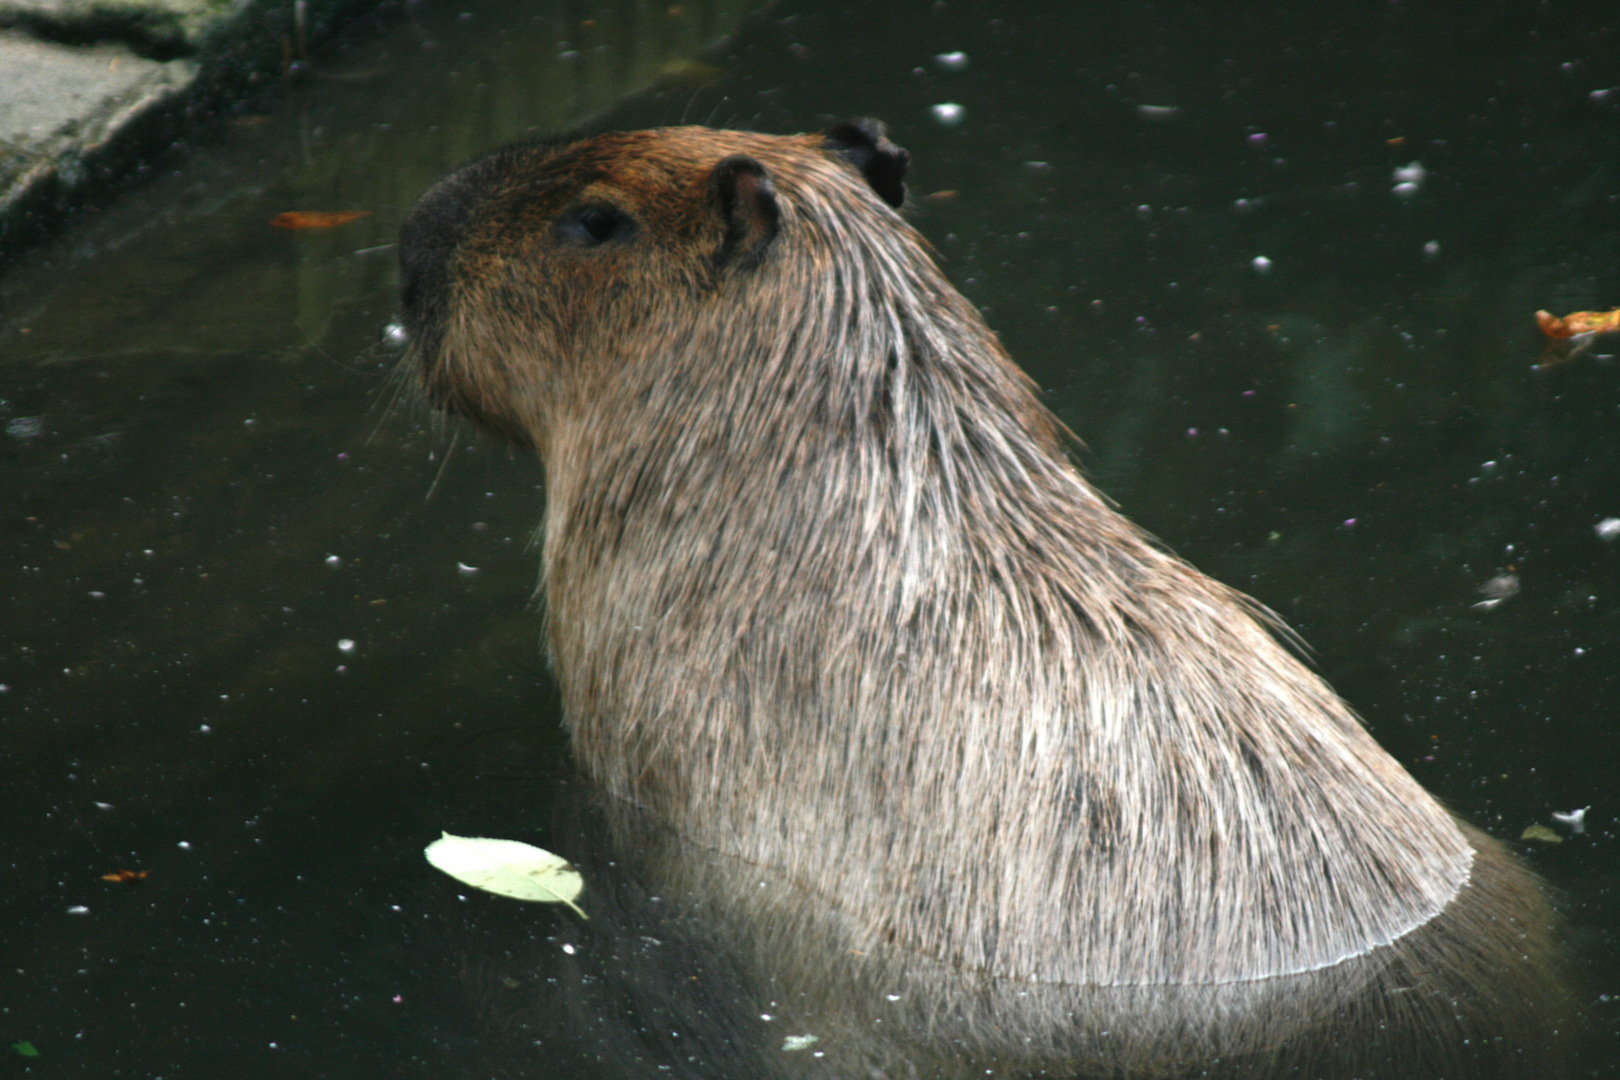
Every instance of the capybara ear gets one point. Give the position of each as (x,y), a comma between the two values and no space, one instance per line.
(746,198)
(864,144)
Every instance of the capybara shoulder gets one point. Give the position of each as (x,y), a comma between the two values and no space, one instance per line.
(826,593)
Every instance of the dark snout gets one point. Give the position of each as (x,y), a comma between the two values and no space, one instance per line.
(427,246)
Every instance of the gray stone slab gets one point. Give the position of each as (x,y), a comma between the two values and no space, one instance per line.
(90,90)
(171,26)
(60,105)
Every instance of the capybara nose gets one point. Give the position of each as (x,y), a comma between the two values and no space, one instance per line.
(426,242)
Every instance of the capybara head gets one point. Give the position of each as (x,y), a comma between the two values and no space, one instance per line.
(579,258)
(826,593)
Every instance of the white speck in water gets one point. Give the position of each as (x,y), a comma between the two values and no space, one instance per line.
(465,570)
(104,806)
(949,113)
(25,427)
(766,1016)
(952,61)
(569,949)
(1499,588)
(346,645)
(78,909)
(1575,820)
(1158,112)
(1413,173)
(204,729)
(97,594)
(394,335)
(184,845)
(1608,530)
(798,1042)
(1261,264)
(333,561)
(1404,191)
(1431,250)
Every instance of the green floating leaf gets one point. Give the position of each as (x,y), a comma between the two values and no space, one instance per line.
(25,1048)
(1542,833)
(508,868)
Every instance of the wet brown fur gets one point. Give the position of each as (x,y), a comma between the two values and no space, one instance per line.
(826,593)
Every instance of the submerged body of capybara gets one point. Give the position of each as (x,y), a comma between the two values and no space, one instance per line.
(826,594)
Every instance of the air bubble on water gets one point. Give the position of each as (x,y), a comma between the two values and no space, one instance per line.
(1261,264)
(1413,173)
(25,427)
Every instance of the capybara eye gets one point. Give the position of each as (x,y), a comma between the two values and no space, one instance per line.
(593,224)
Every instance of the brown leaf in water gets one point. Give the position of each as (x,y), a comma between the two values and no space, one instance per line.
(1578,322)
(316,219)
(125,877)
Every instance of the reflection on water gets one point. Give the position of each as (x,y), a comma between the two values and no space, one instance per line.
(211,483)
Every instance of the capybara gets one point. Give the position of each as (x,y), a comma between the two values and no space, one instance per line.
(826,593)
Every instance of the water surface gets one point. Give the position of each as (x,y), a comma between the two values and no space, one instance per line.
(266,627)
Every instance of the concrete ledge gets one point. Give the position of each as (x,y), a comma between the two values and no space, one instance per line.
(90,90)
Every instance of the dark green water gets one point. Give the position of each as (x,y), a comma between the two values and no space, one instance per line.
(210,481)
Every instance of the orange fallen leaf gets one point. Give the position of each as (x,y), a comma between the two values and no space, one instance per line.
(1578,322)
(125,877)
(316,219)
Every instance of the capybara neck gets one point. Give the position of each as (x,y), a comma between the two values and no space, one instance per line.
(825,592)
